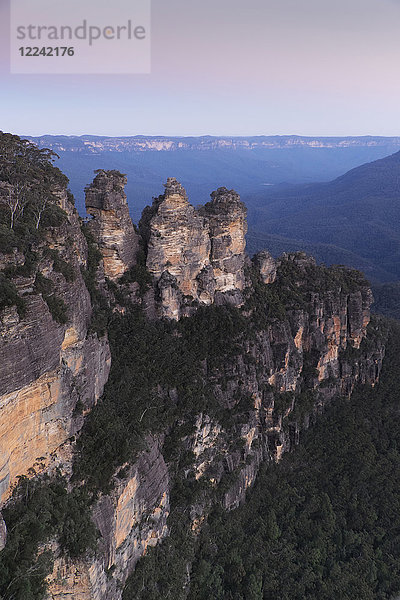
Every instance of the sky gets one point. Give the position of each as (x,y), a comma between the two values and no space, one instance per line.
(229,67)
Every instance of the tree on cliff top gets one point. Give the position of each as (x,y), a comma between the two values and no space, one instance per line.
(28,178)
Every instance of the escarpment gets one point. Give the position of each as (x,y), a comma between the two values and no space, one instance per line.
(50,362)
(218,364)
(130,520)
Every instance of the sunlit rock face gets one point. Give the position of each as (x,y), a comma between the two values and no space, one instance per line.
(111,225)
(195,255)
(266,265)
(131,519)
(226,216)
(46,367)
(178,247)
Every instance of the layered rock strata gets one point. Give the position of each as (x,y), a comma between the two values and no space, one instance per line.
(289,370)
(131,519)
(195,255)
(111,224)
(282,370)
(46,367)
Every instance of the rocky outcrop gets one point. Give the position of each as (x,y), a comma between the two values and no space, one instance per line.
(289,370)
(226,216)
(178,247)
(3,533)
(111,225)
(266,266)
(195,255)
(130,520)
(301,341)
(47,367)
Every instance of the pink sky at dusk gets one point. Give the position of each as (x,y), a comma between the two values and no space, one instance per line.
(225,67)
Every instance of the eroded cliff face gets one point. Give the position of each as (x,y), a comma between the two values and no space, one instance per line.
(111,225)
(288,371)
(195,255)
(226,216)
(178,247)
(132,518)
(47,367)
(301,336)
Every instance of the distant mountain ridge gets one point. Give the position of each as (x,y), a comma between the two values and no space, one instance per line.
(357,213)
(142,143)
(248,164)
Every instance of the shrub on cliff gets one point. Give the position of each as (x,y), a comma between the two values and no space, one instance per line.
(9,296)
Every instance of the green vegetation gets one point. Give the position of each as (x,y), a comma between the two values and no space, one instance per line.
(138,273)
(322,524)
(57,307)
(41,509)
(100,308)
(294,286)
(9,296)
(387,299)
(60,265)
(28,182)
(149,360)
(352,220)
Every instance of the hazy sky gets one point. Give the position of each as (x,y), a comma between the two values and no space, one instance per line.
(230,67)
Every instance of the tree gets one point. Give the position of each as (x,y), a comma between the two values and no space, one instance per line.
(28,178)
(255,588)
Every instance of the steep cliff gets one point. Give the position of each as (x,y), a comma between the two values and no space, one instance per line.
(50,362)
(111,224)
(264,373)
(48,359)
(254,379)
(130,519)
(195,256)
(218,364)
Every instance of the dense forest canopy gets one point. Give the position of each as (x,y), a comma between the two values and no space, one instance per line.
(322,524)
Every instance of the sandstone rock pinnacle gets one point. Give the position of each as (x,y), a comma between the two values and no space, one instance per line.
(111,224)
(266,265)
(203,250)
(226,215)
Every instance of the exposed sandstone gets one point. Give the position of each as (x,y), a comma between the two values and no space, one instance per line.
(130,519)
(266,265)
(281,360)
(111,225)
(46,367)
(194,257)
(178,241)
(202,250)
(226,215)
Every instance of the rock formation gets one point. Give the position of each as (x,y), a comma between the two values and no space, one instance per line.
(266,265)
(302,330)
(195,255)
(46,368)
(130,520)
(178,247)
(111,225)
(226,216)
